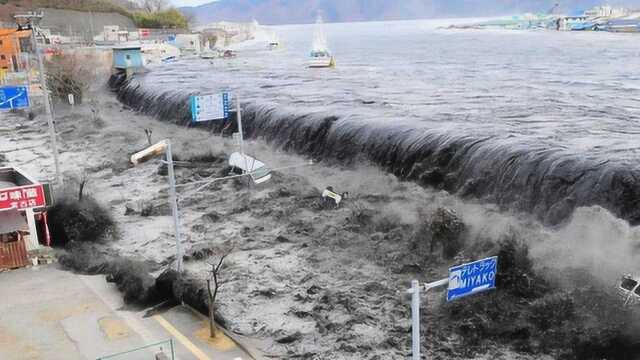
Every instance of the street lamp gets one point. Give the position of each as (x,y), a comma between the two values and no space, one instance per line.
(147,154)
(31,20)
(164,147)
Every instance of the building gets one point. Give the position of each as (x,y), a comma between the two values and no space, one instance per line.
(606,11)
(13,43)
(189,44)
(113,34)
(128,59)
(572,22)
(23,217)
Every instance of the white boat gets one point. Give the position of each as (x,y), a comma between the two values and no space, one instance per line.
(209,54)
(273,41)
(320,56)
(273,45)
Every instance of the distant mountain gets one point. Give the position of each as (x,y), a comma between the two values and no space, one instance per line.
(305,11)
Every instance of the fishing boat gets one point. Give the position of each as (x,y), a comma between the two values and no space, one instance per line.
(320,56)
(273,41)
(273,45)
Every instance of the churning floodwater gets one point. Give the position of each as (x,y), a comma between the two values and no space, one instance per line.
(537,121)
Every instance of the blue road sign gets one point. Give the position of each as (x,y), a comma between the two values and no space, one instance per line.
(472,278)
(210,107)
(14,97)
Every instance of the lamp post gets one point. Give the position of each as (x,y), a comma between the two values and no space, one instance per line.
(152,151)
(32,19)
(164,147)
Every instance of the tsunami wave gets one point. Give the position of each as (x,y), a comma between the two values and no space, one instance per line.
(544,181)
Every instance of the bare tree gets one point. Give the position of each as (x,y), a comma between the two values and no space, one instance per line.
(73,73)
(148,133)
(82,182)
(154,5)
(214,277)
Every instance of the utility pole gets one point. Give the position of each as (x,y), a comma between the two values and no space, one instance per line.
(239,114)
(32,19)
(173,200)
(164,146)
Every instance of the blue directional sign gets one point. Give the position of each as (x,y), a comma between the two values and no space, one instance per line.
(210,107)
(472,278)
(14,97)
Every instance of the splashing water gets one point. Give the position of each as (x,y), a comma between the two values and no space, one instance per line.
(531,121)
(319,37)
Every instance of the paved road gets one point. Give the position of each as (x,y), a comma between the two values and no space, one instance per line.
(46,313)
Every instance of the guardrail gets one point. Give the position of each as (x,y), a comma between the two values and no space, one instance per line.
(160,354)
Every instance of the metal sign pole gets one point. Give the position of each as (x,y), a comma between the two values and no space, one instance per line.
(239,114)
(415,312)
(47,103)
(173,200)
(415,319)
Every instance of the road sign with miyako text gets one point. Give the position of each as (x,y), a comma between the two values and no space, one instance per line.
(22,197)
(472,278)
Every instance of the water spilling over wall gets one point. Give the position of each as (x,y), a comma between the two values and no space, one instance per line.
(545,181)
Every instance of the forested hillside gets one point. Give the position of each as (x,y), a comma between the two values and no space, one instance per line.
(144,13)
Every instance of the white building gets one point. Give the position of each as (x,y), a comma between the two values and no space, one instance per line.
(189,43)
(606,11)
(112,34)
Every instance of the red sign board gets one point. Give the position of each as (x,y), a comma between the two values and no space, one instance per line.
(144,32)
(22,197)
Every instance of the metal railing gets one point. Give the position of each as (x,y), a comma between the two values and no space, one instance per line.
(165,348)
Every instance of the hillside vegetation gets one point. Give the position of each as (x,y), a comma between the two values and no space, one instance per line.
(156,18)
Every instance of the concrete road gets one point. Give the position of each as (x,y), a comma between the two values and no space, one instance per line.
(46,313)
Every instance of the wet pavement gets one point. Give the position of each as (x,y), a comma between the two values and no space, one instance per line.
(47,313)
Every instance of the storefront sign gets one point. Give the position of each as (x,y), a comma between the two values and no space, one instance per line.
(22,197)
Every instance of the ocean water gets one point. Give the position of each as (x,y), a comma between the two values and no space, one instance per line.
(541,121)
(579,91)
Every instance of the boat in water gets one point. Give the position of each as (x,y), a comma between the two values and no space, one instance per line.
(320,56)
(273,41)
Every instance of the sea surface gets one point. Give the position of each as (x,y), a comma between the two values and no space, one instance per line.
(574,90)
(537,121)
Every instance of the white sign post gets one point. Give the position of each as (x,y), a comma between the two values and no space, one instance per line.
(464,280)
(216,107)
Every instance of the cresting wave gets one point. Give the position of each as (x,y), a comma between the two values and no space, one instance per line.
(547,182)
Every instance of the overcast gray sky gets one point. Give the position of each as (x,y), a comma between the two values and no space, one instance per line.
(179,3)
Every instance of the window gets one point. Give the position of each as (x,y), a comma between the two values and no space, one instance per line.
(260,172)
(2,57)
(0,42)
(25,44)
(128,57)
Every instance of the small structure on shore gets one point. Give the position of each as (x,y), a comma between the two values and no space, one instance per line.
(23,217)
(127,59)
(189,44)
